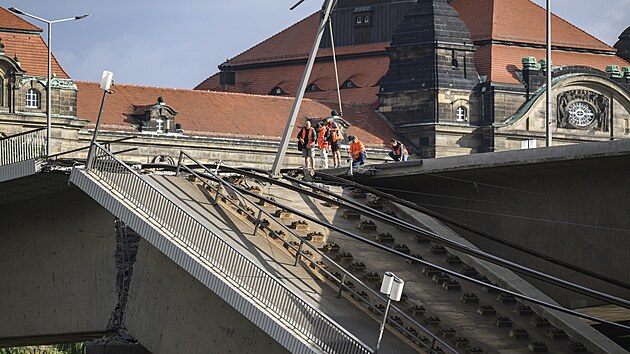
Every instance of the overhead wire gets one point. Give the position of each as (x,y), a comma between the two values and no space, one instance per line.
(339,200)
(419,260)
(545,195)
(480,232)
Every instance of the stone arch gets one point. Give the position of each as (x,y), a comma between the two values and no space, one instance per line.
(531,114)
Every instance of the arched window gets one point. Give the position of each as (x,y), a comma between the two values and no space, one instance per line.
(359,20)
(32,98)
(366,19)
(1,91)
(462,114)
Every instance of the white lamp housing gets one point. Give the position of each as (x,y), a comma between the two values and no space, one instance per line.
(397,289)
(106,80)
(388,280)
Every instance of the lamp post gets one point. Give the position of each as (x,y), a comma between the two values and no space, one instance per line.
(548,120)
(392,286)
(107,80)
(49,78)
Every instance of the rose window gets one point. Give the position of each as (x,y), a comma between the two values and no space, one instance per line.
(580,114)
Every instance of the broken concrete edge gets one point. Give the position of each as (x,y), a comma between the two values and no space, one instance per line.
(127,242)
(271,324)
(575,327)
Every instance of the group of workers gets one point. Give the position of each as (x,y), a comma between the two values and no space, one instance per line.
(328,136)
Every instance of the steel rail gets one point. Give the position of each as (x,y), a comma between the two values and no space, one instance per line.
(299,251)
(20,134)
(339,201)
(445,270)
(23,146)
(478,231)
(236,270)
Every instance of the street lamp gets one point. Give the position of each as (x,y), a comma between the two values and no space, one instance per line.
(48,81)
(548,120)
(392,286)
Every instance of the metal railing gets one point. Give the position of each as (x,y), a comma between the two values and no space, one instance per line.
(422,337)
(228,263)
(23,146)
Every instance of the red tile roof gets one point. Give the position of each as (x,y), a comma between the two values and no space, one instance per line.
(296,42)
(365,72)
(32,52)
(220,113)
(10,21)
(500,62)
(287,44)
(521,21)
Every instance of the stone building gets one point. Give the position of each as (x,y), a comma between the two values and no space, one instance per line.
(237,128)
(445,77)
(23,78)
(450,77)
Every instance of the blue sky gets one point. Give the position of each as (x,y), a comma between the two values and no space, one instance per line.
(180,43)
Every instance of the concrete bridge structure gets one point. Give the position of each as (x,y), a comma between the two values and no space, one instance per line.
(569,202)
(89,252)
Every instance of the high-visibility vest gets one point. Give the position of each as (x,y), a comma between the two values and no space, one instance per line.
(308,139)
(321,137)
(400,150)
(356,149)
(335,134)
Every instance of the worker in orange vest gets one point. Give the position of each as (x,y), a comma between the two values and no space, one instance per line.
(335,138)
(307,137)
(398,151)
(357,151)
(322,143)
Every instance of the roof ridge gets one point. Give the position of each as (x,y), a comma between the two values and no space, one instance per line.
(574,26)
(197,91)
(270,38)
(21,20)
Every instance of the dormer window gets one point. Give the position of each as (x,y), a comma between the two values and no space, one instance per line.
(348,85)
(157,118)
(313,88)
(277,91)
(363,17)
(32,98)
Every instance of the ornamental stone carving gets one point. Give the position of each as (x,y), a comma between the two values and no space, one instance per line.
(583,109)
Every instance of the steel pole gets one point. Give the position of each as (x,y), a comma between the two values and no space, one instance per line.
(548,118)
(282,150)
(49,94)
(88,162)
(380,333)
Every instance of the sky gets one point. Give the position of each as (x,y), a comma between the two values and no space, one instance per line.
(178,44)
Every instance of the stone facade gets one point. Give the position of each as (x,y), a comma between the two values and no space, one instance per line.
(428,92)
(25,94)
(587,105)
